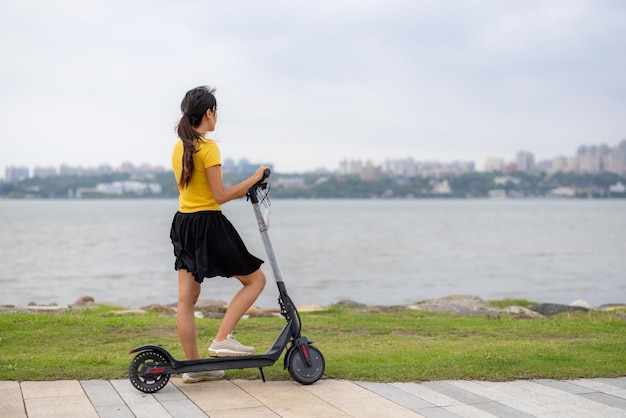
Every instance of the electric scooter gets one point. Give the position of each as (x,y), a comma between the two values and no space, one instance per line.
(150,369)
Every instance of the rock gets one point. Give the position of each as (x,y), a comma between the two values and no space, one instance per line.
(581,304)
(462,304)
(11,309)
(254,311)
(521,312)
(210,309)
(612,307)
(83,301)
(550,309)
(347,302)
(49,308)
(210,304)
(129,312)
(162,309)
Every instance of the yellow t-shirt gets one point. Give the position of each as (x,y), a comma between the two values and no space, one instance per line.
(197,195)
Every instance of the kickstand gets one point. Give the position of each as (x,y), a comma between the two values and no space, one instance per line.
(262,374)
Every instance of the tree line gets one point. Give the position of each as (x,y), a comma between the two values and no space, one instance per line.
(468,185)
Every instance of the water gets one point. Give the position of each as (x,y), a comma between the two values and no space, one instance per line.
(387,252)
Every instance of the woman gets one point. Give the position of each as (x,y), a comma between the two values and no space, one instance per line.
(205,243)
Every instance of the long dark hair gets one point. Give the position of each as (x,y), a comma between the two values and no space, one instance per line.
(194,105)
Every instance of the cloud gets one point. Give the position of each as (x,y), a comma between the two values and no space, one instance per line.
(307,85)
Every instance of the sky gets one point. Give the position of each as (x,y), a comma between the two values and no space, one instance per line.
(305,85)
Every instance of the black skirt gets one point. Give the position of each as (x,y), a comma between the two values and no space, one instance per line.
(206,244)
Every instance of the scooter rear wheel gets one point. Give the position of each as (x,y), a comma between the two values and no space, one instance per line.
(138,371)
(302,373)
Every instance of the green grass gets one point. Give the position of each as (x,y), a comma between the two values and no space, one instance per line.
(358,344)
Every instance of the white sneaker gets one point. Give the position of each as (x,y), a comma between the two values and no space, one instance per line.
(195,377)
(230,347)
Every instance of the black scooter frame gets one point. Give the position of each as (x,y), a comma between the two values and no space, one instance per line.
(308,362)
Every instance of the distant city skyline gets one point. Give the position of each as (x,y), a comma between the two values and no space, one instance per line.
(523,159)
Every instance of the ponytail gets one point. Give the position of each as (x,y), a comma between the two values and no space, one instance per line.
(194,105)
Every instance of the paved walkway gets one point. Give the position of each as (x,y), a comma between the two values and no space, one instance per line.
(326,398)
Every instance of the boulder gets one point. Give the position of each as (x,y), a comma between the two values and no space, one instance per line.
(351,303)
(162,309)
(461,304)
(612,307)
(81,302)
(521,312)
(581,304)
(550,309)
(210,304)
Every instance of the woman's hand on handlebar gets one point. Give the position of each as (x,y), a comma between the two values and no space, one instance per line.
(261,174)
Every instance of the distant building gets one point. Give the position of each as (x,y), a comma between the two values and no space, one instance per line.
(494,164)
(525,161)
(400,168)
(442,187)
(543,166)
(120,187)
(15,174)
(617,160)
(43,172)
(242,167)
(592,159)
(369,172)
(561,163)
(350,167)
(617,188)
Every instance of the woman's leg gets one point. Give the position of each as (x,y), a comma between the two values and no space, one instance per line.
(188,293)
(253,285)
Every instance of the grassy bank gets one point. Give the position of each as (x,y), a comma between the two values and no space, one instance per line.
(358,344)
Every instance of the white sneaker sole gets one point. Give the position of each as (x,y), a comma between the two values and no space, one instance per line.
(189,379)
(224,352)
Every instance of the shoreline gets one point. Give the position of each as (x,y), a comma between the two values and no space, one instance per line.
(456,304)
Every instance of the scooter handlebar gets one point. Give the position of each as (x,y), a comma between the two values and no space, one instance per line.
(261,184)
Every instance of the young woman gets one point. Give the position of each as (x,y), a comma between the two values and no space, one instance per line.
(205,243)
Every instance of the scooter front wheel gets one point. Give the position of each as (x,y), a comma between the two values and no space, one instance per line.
(299,370)
(144,373)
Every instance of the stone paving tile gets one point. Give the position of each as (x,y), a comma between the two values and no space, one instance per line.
(445,406)
(607,399)
(468,411)
(177,404)
(477,401)
(560,403)
(11,402)
(260,412)
(62,398)
(429,395)
(595,384)
(481,389)
(142,405)
(564,386)
(105,399)
(339,390)
(620,393)
(355,399)
(619,382)
(215,396)
(397,395)
(289,399)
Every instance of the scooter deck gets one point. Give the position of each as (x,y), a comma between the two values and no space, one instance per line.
(266,359)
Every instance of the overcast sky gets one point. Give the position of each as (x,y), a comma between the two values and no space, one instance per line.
(304,85)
